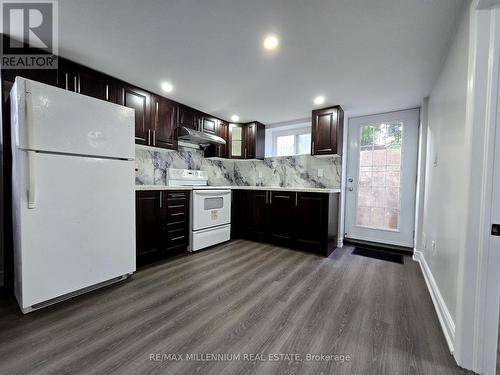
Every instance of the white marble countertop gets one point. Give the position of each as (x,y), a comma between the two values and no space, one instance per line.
(273,188)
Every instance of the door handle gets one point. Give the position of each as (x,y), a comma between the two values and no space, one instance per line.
(31,179)
(495,229)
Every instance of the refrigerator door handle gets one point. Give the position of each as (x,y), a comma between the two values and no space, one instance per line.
(31,179)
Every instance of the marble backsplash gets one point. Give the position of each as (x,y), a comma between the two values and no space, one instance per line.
(288,171)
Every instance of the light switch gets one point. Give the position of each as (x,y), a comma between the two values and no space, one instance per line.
(320,172)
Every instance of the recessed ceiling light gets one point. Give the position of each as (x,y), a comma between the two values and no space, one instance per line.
(235,118)
(271,42)
(319,100)
(167,87)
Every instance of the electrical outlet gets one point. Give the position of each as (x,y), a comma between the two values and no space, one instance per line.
(320,172)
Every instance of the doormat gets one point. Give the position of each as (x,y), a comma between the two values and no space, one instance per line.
(377,254)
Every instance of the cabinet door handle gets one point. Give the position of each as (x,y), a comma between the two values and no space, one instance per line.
(245,152)
(154,137)
(149,136)
(312,148)
(107,93)
(296,199)
(270,197)
(66,79)
(74,81)
(161,198)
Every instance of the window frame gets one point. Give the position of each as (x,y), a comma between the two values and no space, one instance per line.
(296,133)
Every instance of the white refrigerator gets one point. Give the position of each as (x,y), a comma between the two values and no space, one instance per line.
(73,192)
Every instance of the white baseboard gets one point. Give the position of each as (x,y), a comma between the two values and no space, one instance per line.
(444,316)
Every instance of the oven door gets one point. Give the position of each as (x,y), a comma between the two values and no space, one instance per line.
(211,208)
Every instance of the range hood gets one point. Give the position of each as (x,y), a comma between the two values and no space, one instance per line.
(194,136)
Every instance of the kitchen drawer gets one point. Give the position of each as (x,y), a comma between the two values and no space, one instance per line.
(177,195)
(176,237)
(177,213)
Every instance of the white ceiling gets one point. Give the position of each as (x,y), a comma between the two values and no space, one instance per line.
(368,56)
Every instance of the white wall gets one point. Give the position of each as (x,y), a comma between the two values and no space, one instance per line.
(446,172)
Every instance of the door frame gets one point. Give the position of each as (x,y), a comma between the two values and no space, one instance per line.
(352,162)
(478,289)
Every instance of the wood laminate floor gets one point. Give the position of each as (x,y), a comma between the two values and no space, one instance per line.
(240,298)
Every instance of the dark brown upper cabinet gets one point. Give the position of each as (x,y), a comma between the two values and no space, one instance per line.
(189,117)
(164,118)
(326,132)
(219,151)
(140,101)
(246,141)
(254,140)
(209,125)
(237,141)
(223,132)
(85,81)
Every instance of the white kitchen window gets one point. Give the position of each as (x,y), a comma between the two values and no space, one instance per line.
(292,144)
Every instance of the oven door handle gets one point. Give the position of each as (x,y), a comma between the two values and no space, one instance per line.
(212,192)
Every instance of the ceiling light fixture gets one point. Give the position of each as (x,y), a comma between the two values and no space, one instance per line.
(271,42)
(235,118)
(167,87)
(319,100)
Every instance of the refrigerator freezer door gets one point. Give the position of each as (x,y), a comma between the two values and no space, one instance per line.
(82,229)
(51,119)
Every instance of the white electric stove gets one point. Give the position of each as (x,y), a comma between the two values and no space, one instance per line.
(210,208)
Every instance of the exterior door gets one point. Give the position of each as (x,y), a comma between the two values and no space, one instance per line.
(381,178)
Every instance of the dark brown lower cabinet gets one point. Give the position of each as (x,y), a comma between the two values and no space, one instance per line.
(282,217)
(162,224)
(307,221)
(257,220)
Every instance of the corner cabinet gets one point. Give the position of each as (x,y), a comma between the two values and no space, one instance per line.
(302,220)
(326,131)
(236,141)
(246,141)
(162,224)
